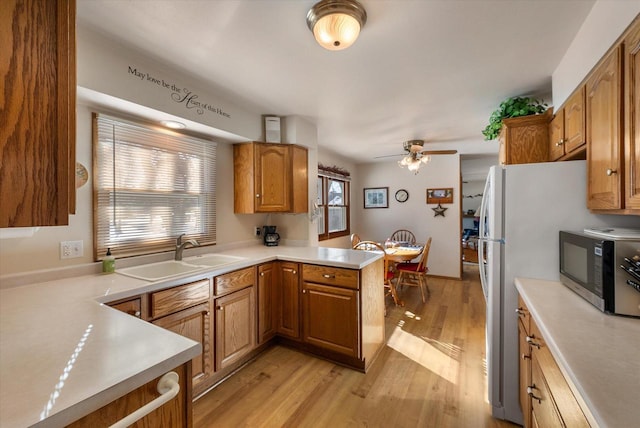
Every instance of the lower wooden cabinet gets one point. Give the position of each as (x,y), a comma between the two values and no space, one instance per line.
(235,327)
(194,323)
(330,318)
(545,396)
(267,295)
(175,413)
(288,300)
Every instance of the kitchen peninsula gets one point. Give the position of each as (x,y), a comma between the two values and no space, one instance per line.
(64,353)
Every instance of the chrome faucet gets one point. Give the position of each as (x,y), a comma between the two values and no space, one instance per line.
(180,246)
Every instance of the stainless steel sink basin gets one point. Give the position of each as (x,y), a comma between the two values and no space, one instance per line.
(160,270)
(212,260)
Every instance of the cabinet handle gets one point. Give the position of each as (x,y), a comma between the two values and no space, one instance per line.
(304,291)
(293,272)
(134,313)
(610,172)
(257,195)
(220,308)
(205,312)
(168,387)
(526,357)
(326,275)
(261,273)
(520,312)
(530,341)
(559,143)
(530,393)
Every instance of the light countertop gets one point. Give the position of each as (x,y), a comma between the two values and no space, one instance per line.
(64,354)
(599,354)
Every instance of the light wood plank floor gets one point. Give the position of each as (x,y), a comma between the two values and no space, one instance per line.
(430,374)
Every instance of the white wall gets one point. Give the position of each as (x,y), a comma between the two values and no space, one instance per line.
(415,214)
(605,23)
(103,68)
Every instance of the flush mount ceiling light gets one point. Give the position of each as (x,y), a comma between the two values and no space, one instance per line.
(336,23)
(173,124)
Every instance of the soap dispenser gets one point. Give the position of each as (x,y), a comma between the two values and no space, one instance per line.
(109,262)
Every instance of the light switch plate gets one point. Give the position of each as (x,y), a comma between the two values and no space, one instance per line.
(71,249)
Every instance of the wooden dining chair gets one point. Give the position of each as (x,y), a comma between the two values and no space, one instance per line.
(403,235)
(415,274)
(355,238)
(388,273)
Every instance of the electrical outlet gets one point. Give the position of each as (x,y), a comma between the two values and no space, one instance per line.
(71,249)
(258,231)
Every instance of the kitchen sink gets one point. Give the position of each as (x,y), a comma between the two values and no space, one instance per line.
(212,260)
(160,270)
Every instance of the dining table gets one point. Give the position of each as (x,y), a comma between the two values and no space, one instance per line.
(400,254)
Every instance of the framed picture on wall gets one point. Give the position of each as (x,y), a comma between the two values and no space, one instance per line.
(440,196)
(376,197)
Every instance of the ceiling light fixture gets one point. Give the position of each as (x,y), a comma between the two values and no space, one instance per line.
(414,158)
(173,124)
(336,23)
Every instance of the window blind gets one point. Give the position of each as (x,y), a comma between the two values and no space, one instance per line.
(150,186)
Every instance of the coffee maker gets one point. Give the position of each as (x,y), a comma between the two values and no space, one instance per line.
(270,236)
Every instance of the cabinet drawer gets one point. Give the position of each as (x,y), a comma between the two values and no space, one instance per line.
(524,315)
(233,281)
(542,406)
(330,276)
(177,298)
(132,307)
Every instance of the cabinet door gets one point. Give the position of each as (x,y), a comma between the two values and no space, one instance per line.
(194,323)
(37,136)
(556,136)
(632,117)
(289,300)
(300,180)
(604,138)
(574,126)
(235,327)
(267,315)
(272,178)
(331,318)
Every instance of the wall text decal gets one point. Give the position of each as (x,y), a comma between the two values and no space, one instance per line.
(183,96)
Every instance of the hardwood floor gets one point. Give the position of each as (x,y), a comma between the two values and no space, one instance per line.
(430,374)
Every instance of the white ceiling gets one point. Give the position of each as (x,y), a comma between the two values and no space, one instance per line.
(421,69)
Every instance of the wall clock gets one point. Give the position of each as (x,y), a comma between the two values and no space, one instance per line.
(402,195)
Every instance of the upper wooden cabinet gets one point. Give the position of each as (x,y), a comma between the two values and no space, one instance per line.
(604,134)
(612,123)
(37,136)
(567,139)
(270,178)
(524,139)
(632,117)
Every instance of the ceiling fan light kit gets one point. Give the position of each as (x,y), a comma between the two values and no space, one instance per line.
(336,24)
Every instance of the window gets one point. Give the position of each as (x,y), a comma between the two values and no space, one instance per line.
(333,203)
(150,186)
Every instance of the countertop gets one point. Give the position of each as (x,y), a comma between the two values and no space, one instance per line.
(599,354)
(64,354)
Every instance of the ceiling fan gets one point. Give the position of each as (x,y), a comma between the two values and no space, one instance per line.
(414,156)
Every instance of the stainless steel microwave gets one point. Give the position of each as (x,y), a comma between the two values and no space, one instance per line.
(603,266)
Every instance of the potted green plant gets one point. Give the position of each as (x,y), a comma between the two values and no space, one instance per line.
(512,107)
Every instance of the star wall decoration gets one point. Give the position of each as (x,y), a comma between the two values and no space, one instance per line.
(439,210)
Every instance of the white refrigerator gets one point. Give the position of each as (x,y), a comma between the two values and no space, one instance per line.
(523,209)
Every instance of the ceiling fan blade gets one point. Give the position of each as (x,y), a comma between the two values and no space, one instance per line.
(390,156)
(439,152)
